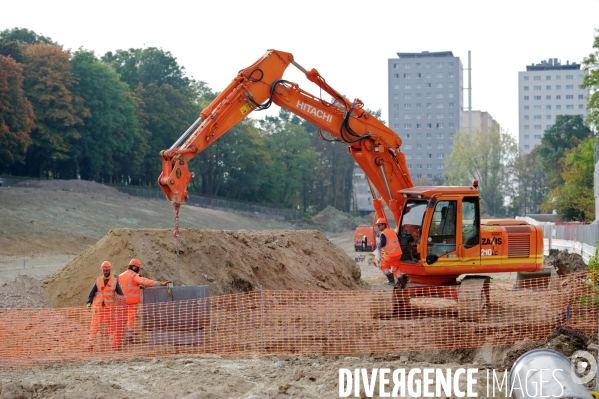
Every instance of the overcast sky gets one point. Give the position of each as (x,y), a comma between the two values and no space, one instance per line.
(348,42)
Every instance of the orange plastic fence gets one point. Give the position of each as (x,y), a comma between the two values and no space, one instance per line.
(304,322)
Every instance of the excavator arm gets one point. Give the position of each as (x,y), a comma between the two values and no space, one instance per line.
(374,146)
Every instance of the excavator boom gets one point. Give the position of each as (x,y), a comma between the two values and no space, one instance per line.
(374,146)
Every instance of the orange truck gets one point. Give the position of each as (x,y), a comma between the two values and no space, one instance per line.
(364,238)
(440,229)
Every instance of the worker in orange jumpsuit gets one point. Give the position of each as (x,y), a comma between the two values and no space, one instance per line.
(102,301)
(390,253)
(130,282)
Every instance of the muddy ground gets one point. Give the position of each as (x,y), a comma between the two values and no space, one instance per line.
(65,229)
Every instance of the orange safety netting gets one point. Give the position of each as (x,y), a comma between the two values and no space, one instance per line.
(306,322)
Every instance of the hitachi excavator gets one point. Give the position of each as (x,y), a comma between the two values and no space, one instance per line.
(440,229)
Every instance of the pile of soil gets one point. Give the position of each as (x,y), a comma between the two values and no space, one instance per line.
(565,262)
(228,261)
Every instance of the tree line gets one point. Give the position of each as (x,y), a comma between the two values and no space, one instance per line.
(105,118)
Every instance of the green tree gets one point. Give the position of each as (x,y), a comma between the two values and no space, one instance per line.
(49,84)
(567,132)
(529,184)
(16,114)
(488,157)
(23,35)
(591,82)
(574,200)
(110,132)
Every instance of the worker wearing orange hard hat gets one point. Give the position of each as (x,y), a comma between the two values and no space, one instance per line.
(390,253)
(102,301)
(130,282)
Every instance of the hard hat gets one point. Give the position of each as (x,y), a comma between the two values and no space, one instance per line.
(105,265)
(135,262)
(381,221)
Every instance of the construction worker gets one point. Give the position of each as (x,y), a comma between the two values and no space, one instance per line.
(390,253)
(130,282)
(102,301)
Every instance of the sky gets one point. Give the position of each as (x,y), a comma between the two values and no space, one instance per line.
(349,42)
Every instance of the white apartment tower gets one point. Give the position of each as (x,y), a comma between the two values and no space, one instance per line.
(544,91)
(425,108)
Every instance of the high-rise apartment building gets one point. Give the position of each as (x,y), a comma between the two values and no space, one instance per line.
(425,109)
(544,91)
(482,121)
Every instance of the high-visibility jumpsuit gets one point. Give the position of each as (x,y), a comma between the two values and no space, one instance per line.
(103,306)
(130,283)
(390,253)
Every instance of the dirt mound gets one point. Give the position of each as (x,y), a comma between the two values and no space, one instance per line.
(75,186)
(227,261)
(23,292)
(565,262)
(335,221)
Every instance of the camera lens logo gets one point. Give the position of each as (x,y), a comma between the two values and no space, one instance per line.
(584,367)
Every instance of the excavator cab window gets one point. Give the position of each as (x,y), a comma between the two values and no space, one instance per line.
(410,229)
(470,222)
(442,232)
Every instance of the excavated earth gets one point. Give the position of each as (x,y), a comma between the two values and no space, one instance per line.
(227,261)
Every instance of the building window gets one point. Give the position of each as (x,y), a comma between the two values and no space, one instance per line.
(526,88)
(396,86)
(439,85)
(428,85)
(526,136)
(395,106)
(429,165)
(525,98)
(441,156)
(419,136)
(396,96)
(547,77)
(581,97)
(407,106)
(440,135)
(439,105)
(428,75)
(580,106)
(558,77)
(439,65)
(419,126)
(569,97)
(418,95)
(450,85)
(439,116)
(526,78)
(569,106)
(547,87)
(526,117)
(548,126)
(547,97)
(537,127)
(526,146)
(417,65)
(418,166)
(558,97)
(407,86)
(394,66)
(537,116)
(429,105)
(439,95)
(450,95)
(558,87)
(451,114)
(406,66)
(569,87)
(418,85)
(429,156)
(407,126)
(439,145)
(439,126)
(569,77)
(418,156)
(537,107)
(537,137)
(428,65)
(548,107)
(537,98)
(558,107)
(450,63)
(418,75)
(526,127)
(429,135)
(407,116)
(537,78)
(395,116)
(439,74)
(450,74)
(428,95)
(547,116)
(526,107)
(407,76)
(439,166)
(537,87)
(429,125)
(451,125)
(450,105)
(450,136)
(407,96)
(408,156)
(418,146)
(429,116)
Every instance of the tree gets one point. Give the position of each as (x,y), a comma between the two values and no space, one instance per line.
(149,65)
(591,81)
(574,200)
(16,114)
(23,35)
(110,132)
(529,184)
(49,84)
(567,132)
(489,158)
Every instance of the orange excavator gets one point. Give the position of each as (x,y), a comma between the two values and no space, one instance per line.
(440,229)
